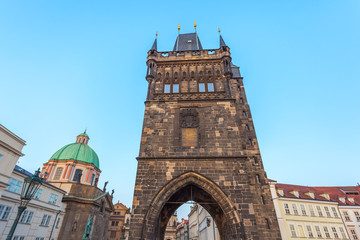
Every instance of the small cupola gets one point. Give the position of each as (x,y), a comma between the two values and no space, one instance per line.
(82,138)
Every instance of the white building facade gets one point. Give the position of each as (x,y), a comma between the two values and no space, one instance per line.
(42,218)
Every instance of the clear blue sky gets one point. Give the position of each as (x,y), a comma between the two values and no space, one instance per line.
(70,65)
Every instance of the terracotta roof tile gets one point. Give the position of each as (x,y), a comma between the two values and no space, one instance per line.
(335,193)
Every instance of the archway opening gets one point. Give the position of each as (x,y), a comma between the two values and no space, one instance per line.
(199,198)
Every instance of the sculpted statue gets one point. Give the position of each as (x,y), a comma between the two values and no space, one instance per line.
(88,227)
(106,183)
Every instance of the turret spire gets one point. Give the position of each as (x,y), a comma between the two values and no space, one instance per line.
(197,39)
(154,46)
(222,42)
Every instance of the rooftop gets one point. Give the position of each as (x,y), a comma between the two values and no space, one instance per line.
(343,195)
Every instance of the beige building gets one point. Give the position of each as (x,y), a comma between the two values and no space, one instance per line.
(43,217)
(348,200)
(117,222)
(307,212)
(10,152)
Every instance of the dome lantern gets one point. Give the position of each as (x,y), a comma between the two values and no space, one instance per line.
(82,138)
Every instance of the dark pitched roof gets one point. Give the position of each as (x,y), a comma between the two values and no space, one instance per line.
(187,42)
(222,42)
(154,46)
(236,71)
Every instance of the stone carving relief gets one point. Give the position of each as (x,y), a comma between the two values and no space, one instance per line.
(189,118)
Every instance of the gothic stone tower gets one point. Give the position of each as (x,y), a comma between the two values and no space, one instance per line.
(198,143)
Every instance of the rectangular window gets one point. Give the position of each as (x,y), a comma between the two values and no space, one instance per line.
(357,216)
(39,238)
(346,216)
(57,223)
(176,88)
(4,212)
(318,232)
(303,210)
(295,210)
(292,230)
(26,217)
(189,137)
(354,235)
(167,88)
(342,231)
(311,210)
(37,194)
(335,232)
(287,209)
(18,237)
(12,185)
(45,220)
(320,213)
(201,87)
(210,87)
(309,230)
(327,211)
(53,198)
(326,231)
(17,187)
(334,212)
(1,156)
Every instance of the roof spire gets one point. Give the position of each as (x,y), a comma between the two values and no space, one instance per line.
(222,42)
(197,39)
(177,40)
(154,46)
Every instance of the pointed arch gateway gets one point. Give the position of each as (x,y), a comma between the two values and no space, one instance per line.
(195,187)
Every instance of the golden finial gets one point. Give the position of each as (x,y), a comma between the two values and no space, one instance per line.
(179,27)
(156,34)
(219,30)
(195,25)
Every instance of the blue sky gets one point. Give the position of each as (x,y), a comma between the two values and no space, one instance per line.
(70,65)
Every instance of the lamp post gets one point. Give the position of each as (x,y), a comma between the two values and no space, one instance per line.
(29,188)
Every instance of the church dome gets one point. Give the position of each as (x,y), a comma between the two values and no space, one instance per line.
(79,151)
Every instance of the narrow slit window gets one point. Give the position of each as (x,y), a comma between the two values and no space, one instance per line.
(210,87)
(176,88)
(201,87)
(167,88)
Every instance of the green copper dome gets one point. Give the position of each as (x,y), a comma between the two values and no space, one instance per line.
(78,151)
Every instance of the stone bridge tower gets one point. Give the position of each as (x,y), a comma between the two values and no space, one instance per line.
(198,143)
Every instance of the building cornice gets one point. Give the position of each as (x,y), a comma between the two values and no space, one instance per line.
(11,149)
(11,134)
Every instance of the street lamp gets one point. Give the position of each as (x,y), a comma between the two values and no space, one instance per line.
(29,188)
